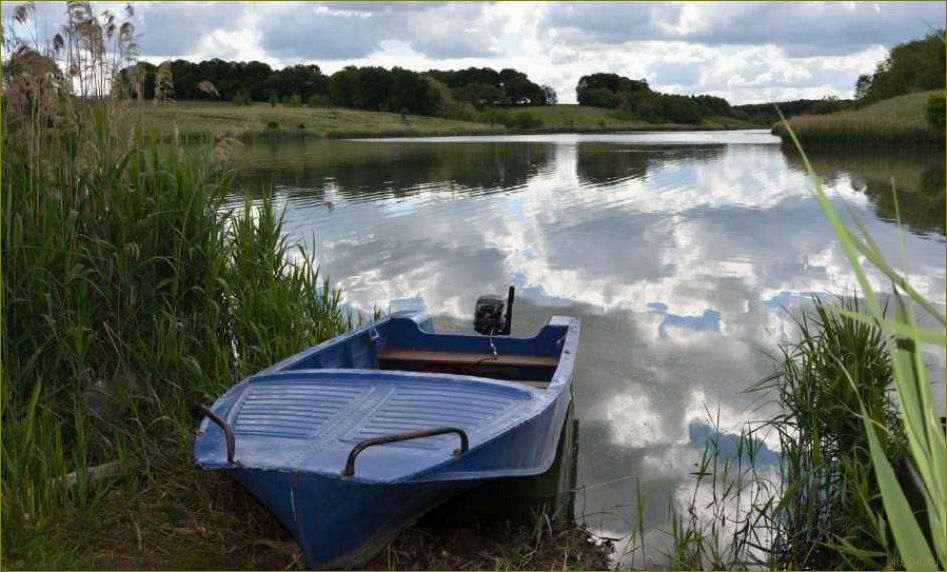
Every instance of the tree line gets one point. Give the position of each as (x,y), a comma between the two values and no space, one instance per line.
(467,93)
(918,65)
(371,87)
(635,98)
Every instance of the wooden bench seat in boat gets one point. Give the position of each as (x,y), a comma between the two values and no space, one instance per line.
(469,359)
(464,358)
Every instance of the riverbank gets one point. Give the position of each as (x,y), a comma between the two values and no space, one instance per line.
(130,296)
(205,521)
(898,121)
(200,121)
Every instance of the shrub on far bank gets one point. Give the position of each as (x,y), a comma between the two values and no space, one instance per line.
(521,120)
(936,110)
(241,98)
(318,100)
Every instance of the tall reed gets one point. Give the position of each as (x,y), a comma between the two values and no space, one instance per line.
(862,476)
(904,339)
(128,293)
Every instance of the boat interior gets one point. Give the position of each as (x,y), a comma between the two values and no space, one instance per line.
(535,371)
(404,345)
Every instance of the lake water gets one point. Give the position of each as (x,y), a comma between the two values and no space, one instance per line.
(683,253)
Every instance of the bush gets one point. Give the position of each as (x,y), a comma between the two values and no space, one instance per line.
(600,97)
(526,120)
(521,120)
(242,98)
(295,100)
(272,124)
(317,100)
(936,110)
(273,98)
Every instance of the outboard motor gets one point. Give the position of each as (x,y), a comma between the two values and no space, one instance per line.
(488,314)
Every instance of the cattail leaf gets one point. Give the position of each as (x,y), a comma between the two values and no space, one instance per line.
(898,329)
(912,546)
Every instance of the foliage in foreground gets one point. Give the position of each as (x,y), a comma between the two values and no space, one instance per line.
(128,297)
(904,340)
(862,475)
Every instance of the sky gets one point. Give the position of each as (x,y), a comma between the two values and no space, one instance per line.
(747,52)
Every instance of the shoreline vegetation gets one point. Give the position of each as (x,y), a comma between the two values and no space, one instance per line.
(128,297)
(899,121)
(207,121)
(900,104)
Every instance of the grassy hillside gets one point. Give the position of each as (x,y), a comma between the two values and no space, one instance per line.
(909,107)
(198,119)
(900,120)
(587,118)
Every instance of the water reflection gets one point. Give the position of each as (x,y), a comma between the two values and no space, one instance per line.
(918,178)
(520,500)
(360,171)
(681,253)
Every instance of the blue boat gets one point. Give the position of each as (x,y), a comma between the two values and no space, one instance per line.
(353,440)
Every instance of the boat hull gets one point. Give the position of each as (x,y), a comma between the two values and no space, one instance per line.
(341,523)
(291,433)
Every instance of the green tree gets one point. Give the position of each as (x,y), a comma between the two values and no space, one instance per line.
(918,65)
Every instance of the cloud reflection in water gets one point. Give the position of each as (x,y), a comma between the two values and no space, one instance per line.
(681,259)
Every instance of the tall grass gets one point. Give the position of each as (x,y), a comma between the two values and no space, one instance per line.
(904,339)
(825,517)
(128,295)
(861,483)
(817,509)
(846,128)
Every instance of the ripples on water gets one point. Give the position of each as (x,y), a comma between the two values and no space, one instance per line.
(679,251)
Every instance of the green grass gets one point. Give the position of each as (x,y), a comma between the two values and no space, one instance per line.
(129,296)
(904,339)
(900,120)
(190,120)
(202,120)
(817,509)
(862,475)
(826,513)
(583,118)
(909,107)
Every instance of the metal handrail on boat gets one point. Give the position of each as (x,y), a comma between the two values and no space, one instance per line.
(349,469)
(225,427)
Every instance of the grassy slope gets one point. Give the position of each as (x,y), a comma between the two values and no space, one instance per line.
(910,107)
(585,118)
(898,120)
(199,119)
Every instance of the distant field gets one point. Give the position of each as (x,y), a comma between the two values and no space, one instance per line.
(201,120)
(194,119)
(900,120)
(584,118)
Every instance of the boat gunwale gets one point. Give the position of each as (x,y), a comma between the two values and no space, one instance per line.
(535,402)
